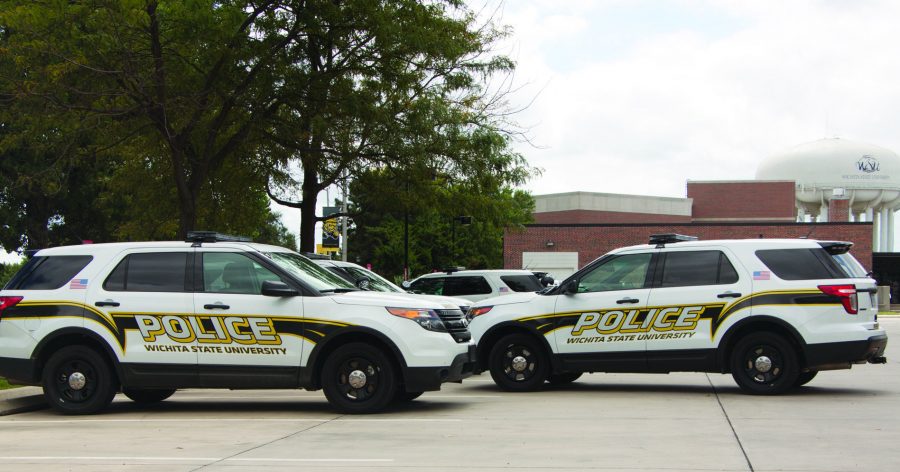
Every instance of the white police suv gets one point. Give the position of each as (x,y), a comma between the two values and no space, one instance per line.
(771,312)
(217,312)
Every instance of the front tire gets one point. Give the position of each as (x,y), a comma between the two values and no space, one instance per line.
(519,363)
(359,378)
(146,396)
(78,381)
(764,364)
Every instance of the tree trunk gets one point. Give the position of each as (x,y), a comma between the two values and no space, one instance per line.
(310,190)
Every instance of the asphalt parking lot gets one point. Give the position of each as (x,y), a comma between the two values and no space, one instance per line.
(844,420)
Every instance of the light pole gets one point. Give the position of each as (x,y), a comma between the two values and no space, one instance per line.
(463,220)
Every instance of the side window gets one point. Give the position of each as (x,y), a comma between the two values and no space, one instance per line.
(228,272)
(626,272)
(428,286)
(456,286)
(685,269)
(48,273)
(801,264)
(522,283)
(150,272)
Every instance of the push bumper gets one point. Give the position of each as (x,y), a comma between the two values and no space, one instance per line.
(18,371)
(830,355)
(425,379)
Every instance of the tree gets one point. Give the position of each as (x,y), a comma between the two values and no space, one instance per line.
(390,84)
(190,81)
(383,202)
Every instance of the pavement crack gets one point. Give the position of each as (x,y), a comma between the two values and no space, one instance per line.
(223,459)
(730,424)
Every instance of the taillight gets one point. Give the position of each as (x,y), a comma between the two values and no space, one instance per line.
(847,295)
(6,302)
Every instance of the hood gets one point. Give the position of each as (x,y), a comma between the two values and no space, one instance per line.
(456,302)
(389,299)
(510,299)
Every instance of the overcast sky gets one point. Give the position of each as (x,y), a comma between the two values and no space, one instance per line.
(637,97)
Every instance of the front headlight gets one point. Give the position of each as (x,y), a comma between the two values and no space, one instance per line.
(473,312)
(425,317)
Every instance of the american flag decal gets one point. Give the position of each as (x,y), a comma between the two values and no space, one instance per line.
(761,275)
(78,284)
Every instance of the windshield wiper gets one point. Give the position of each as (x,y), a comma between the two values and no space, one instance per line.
(339,290)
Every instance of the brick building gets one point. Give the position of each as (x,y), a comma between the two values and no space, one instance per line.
(572,229)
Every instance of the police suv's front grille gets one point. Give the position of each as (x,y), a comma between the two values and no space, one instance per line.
(457,326)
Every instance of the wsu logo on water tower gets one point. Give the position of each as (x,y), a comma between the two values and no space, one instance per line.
(868,164)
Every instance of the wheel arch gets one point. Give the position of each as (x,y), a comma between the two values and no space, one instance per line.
(343,336)
(69,337)
(492,335)
(756,324)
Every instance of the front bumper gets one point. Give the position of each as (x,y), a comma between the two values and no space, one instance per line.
(425,379)
(828,355)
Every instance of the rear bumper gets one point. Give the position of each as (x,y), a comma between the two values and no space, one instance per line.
(825,355)
(19,371)
(425,379)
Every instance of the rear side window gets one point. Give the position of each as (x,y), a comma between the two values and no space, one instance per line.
(151,272)
(466,285)
(685,269)
(522,283)
(801,264)
(48,273)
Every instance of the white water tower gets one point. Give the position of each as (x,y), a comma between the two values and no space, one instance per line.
(868,176)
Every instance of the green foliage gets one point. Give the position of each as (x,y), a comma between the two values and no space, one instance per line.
(381,201)
(7,271)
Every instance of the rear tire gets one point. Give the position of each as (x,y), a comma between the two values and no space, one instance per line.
(78,381)
(359,378)
(563,379)
(805,378)
(146,396)
(519,363)
(764,364)
(402,396)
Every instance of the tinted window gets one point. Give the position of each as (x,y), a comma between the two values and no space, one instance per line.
(522,283)
(150,272)
(48,273)
(428,286)
(683,269)
(619,273)
(850,265)
(466,285)
(226,272)
(801,264)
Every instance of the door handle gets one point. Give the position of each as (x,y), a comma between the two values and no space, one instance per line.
(729,295)
(627,300)
(106,303)
(213,306)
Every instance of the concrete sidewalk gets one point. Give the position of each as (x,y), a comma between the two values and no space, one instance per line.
(21,399)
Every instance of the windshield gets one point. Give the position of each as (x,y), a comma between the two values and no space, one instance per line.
(377,282)
(309,272)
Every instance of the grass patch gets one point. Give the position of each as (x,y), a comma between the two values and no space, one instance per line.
(5,385)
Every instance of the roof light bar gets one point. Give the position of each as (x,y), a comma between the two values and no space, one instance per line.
(669,238)
(212,237)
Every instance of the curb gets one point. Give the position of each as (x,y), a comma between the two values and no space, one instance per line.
(21,399)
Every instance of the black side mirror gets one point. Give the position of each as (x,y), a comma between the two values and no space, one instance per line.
(570,287)
(546,281)
(364,283)
(405,284)
(277,288)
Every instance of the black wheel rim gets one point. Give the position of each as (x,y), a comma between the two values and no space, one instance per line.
(763,364)
(519,363)
(348,379)
(64,381)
